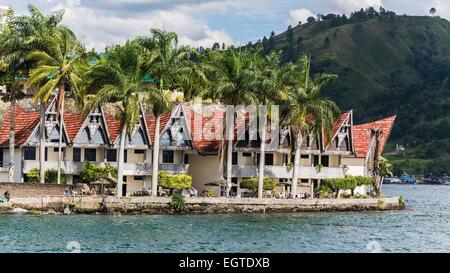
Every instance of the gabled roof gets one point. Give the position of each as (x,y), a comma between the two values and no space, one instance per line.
(337,124)
(73,123)
(361,134)
(114,126)
(151,124)
(24,122)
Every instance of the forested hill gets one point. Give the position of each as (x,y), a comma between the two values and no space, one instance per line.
(387,64)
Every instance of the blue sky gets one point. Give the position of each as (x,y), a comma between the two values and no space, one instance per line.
(202,22)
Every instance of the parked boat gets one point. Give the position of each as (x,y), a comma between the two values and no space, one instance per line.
(407,179)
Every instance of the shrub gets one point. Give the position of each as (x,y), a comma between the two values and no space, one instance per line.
(91,173)
(178,203)
(363,180)
(51,176)
(175,182)
(252,184)
(33,176)
(324,191)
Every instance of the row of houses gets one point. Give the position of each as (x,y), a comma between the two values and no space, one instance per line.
(95,137)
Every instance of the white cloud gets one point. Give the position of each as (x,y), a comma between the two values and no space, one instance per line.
(297,15)
(99,28)
(347,6)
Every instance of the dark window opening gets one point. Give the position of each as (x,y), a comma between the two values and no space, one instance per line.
(168,156)
(141,152)
(90,155)
(304,156)
(125,156)
(111,155)
(139,177)
(247,154)
(29,153)
(186,159)
(304,180)
(1,157)
(46,154)
(325,160)
(76,179)
(76,154)
(315,160)
(268,159)
(234,158)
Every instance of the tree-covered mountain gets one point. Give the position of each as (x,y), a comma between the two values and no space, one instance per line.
(387,64)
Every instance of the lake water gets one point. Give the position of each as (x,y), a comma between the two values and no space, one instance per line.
(423,227)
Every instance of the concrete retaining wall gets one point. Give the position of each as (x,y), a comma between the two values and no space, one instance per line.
(154,205)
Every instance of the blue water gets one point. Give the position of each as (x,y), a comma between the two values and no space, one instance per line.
(423,227)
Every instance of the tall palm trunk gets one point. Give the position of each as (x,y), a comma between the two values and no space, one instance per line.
(155,159)
(262,157)
(61,130)
(42,142)
(229,158)
(296,171)
(120,162)
(11,134)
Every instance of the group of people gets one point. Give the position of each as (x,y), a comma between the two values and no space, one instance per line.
(70,191)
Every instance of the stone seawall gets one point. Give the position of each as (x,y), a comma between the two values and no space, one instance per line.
(32,190)
(158,205)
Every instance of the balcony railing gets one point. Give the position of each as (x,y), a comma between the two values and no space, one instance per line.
(70,167)
(174,168)
(285,172)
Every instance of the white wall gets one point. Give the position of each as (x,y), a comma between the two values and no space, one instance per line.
(356,165)
(204,169)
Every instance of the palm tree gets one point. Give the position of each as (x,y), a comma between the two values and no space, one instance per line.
(269,90)
(305,100)
(30,30)
(58,65)
(12,66)
(233,75)
(121,75)
(383,170)
(166,63)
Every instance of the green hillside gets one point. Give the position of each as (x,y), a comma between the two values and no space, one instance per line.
(387,64)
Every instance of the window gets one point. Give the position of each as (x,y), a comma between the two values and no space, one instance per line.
(1,157)
(125,156)
(325,160)
(268,159)
(168,156)
(29,153)
(304,180)
(76,155)
(186,159)
(140,178)
(247,154)
(76,179)
(285,158)
(315,160)
(111,155)
(235,159)
(141,152)
(90,155)
(46,154)
(304,156)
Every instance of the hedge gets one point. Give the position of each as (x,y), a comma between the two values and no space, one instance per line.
(174,181)
(252,184)
(333,185)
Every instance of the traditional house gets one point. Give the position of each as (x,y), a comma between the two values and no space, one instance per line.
(189,144)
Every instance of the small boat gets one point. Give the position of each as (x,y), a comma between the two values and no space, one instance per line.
(393,180)
(407,179)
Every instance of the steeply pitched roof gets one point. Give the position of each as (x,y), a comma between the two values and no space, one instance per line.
(114,126)
(337,124)
(151,124)
(73,123)
(361,134)
(24,122)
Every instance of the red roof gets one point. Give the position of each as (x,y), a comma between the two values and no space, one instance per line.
(361,135)
(24,122)
(336,126)
(205,141)
(151,124)
(114,126)
(73,123)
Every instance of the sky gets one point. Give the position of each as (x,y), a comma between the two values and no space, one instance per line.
(203,22)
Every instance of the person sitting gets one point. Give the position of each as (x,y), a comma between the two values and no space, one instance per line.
(66,192)
(7,196)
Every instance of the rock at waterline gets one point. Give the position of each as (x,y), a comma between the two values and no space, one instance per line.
(67,211)
(19,210)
